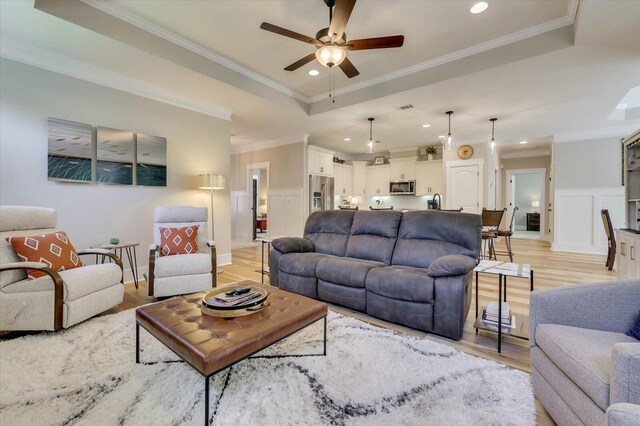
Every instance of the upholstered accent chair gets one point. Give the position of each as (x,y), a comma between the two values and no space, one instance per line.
(181,273)
(59,299)
(584,369)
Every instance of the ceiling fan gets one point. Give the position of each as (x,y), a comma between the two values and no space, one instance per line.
(331,43)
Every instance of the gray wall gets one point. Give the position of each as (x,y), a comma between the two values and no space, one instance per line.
(286,168)
(592,163)
(90,213)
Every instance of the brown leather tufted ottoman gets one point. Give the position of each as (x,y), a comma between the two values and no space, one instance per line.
(211,344)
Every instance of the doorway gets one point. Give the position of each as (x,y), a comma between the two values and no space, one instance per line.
(259,189)
(526,190)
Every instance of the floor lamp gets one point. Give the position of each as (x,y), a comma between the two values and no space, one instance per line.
(212,182)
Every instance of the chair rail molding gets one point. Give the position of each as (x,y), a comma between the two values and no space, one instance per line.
(577,221)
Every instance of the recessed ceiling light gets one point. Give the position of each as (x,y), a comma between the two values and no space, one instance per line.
(426,125)
(523,142)
(347,139)
(442,136)
(479,7)
(314,72)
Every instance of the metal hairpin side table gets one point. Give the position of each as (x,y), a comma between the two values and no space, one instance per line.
(264,271)
(504,270)
(130,250)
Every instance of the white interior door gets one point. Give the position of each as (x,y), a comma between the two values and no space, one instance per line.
(464,188)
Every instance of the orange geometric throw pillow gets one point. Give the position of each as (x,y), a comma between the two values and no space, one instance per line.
(178,240)
(53,249)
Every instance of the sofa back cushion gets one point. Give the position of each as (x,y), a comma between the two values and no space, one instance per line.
(426,235)
(329,231)
(373,235)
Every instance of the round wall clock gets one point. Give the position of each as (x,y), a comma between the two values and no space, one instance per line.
(465,152)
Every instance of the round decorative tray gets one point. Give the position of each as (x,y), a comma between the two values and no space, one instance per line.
(209,307)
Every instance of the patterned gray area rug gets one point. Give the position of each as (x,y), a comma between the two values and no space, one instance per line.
(87,376)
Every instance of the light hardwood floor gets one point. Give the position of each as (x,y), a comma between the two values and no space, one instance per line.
(552,269)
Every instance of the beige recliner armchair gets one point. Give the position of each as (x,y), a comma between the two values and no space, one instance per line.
(181,273)
(60,299)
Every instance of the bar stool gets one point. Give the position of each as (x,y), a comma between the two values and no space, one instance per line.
(490,223)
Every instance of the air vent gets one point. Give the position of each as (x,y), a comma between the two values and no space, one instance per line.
(405,107)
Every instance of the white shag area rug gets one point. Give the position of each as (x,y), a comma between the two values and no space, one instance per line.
(87,376)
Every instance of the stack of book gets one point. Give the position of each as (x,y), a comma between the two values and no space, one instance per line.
(228,300)
(490,315)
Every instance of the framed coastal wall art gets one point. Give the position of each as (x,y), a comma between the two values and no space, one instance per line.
(70,151)
(151,164)
(115,156)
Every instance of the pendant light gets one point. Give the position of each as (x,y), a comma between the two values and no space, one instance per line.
(448,138)
(493,139)
(371,142)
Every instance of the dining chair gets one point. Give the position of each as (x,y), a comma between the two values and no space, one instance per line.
(611,238)
(490,223)
(507,234)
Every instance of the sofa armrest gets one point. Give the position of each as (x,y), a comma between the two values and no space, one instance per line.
(625,373)
(211,243)
(622,414)
(292,245)
(153,247)
(104,252)
(451,265)
(610,306)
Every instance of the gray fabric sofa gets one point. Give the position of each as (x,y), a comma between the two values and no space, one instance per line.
(413,269)
(585,370)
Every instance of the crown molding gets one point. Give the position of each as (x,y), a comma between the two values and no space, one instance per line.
(241,149)
(605,132)
(31,55)
(133,19)
(555,24)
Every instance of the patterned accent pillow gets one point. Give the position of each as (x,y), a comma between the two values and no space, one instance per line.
(178,240)
(53,249)
(635,330)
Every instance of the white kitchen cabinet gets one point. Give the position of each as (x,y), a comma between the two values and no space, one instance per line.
(378,180)
(319,161)
(628,255)
(343,179)
(429,178)
(359,178)
(402,169)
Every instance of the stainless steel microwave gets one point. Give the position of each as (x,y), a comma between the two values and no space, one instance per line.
(402,187)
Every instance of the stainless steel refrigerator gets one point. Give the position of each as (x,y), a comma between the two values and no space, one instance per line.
(320,193)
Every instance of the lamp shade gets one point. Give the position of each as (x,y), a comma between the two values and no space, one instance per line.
(535,204)
(211,181)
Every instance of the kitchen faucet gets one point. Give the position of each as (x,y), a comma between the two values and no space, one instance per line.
(438,206)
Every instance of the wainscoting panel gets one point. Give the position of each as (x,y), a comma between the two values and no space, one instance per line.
(286,212)
(578,224)
(240,216)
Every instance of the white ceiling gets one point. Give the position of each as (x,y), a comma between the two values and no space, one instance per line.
(572,89)
(432,29)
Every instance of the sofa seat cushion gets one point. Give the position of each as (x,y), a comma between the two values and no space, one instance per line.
(345,270)
(402,283)
(301,264)
(182,264)
(77,282)
(583,355)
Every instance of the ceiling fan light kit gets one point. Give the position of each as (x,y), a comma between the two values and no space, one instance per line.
(331,43)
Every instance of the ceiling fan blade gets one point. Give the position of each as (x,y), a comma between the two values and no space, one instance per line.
(347,67)
(297,64)
(341,13)
(288,33)
(375,43)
